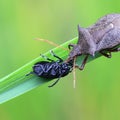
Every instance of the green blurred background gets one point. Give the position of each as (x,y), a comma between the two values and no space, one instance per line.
(97,93)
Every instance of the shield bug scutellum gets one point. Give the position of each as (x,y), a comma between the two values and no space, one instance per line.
(102,37)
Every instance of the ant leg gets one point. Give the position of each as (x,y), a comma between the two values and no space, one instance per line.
(60,59)
(29,73)
(55,82)
(70,45)
(108,55)
(45,57)
(83,63)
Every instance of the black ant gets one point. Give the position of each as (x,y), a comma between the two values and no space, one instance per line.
(51,69)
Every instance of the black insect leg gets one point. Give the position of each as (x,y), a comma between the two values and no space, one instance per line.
(55,82)
(45,57)
(59,59)
(29,73)
(108,55)
(83,63)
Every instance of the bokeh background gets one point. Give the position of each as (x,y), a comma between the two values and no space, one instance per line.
(97,93)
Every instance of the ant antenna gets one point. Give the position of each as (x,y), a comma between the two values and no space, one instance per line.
(52,43)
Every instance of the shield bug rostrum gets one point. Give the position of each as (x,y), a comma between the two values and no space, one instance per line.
(51,69)
(102,37)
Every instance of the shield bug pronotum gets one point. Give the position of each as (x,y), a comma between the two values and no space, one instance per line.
(102,37)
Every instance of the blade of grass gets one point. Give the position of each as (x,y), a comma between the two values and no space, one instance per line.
(17,83)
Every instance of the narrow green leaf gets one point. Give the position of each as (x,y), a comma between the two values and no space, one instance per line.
(17,83)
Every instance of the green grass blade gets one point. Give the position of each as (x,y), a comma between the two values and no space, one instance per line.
(18,83)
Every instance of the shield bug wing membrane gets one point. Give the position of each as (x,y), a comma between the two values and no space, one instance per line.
(112,38)
(102,26)
(99,31)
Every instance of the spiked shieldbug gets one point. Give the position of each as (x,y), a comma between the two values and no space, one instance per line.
(102,37)
(51,69)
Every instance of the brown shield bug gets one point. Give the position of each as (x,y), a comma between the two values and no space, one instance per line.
(102,37)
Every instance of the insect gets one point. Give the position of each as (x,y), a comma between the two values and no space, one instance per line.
(102,37)
(51,69)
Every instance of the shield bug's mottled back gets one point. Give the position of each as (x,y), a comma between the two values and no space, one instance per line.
(102,37)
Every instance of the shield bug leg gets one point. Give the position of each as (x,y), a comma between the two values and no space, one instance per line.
(108,55)
(83,63)
(115,50)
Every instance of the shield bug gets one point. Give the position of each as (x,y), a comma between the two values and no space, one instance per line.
(102,37)
(51,69)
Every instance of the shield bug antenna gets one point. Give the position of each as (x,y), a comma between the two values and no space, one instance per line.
(51,43)
(51,69)
(102,37)
(74,75)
